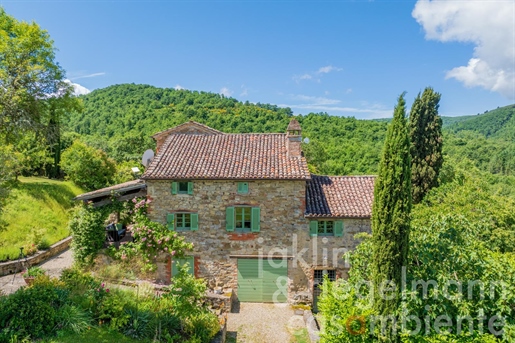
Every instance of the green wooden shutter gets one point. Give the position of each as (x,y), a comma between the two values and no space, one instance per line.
(338,228)
(255,219)
(229,219)
(190,187)
(243,187)
(170,221)
(176,263)
(313,228)
(174,187)
(194,221)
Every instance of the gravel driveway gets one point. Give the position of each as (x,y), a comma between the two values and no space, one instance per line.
(258,323)
(53,266)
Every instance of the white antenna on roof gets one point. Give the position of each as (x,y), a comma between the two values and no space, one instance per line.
(147,157)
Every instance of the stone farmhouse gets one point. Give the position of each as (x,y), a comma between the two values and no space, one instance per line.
(262,225)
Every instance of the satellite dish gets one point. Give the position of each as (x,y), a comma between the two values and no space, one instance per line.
(306,140)
(147,157)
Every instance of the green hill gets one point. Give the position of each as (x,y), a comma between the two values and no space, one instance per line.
(36,212)
(120,120)
(499,123)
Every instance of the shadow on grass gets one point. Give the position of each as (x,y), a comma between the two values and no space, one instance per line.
(46,191)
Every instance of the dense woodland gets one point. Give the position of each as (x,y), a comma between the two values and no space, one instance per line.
(120,120)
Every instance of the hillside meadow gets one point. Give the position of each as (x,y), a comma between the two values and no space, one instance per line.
(36,214)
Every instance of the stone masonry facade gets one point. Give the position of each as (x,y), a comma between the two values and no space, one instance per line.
(284,231)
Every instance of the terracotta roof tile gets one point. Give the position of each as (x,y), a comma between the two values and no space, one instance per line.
(226,156)
(340,196)
(189,127)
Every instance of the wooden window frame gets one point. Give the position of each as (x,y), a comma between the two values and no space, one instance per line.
(324,228)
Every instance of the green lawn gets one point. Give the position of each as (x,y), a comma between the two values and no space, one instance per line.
(36,204)
(95,335)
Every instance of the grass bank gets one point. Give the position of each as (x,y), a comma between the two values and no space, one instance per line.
(36,213)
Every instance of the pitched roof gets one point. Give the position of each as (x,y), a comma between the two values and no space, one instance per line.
(294,125)
(339,196)
(226,156)
(119,188)
(191,127)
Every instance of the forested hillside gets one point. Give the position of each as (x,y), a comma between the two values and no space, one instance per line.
(498,123)
(120,120)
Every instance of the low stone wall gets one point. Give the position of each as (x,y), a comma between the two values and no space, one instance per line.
(15,266)
(219,303)
(312,326)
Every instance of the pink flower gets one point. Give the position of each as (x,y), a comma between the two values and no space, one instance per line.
(173,252)
(144,239)
(159,242)
(167,239)
(166,249)
(107,290)
(124,256)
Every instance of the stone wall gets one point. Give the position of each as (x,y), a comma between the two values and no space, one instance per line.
(15,266)
(284,231)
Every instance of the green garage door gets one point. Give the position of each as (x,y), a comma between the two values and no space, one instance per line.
(268,285)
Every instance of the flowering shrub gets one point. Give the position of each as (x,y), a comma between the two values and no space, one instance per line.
(151,238)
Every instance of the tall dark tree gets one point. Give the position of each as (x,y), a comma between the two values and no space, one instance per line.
(391,215)
(425,129)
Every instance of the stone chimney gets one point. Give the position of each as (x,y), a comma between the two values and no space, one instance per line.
(294,138)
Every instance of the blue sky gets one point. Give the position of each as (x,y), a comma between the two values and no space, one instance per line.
(350,58)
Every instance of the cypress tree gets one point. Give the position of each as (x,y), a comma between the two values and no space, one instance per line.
(391,214)
(425,129)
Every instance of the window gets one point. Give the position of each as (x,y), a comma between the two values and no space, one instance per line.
(182,187)
(319,274)
(326,228)
(243,219)
(243,187)
(182,221)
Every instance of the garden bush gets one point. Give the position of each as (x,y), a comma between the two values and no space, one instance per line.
(87,229)
(33,310)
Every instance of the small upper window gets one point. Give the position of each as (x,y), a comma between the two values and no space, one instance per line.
(182,187)
(325,228)
(243,187)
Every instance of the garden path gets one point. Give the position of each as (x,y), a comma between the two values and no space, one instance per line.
(263,323)
(53,267)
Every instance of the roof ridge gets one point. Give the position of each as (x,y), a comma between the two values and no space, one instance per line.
(343,176)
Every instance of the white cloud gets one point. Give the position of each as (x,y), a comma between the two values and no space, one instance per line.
(316,100)
(87,76)
(322,104)
(490,25)
(328,69)
(78,89)
(313,75)
(178,87)
(244,91)
(365,113)
(226,91)
(299,78)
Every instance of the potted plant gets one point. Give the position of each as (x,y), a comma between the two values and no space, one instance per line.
(32,273)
